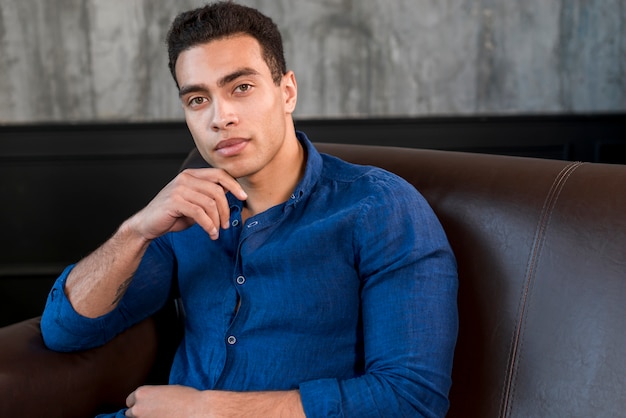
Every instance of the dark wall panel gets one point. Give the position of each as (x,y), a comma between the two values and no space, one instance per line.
(66,188)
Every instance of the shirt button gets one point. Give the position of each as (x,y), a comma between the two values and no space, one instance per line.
(253,223)
(231,340)
(235,222)
(241,280)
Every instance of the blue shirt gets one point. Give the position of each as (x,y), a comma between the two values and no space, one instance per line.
(346,292)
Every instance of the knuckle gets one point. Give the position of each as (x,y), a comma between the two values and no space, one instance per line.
(183,175)
(211,203)
(141,391)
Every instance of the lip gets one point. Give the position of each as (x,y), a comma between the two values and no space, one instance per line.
(230,147)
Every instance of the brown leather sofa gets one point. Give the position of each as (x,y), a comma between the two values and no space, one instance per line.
(541,247)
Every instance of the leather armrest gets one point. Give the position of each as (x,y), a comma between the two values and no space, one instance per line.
(38,382)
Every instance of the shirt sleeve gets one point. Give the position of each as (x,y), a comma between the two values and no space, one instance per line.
(409,314)
(64,329)
(119,414)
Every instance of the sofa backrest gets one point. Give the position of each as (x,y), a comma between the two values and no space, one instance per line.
(541,248)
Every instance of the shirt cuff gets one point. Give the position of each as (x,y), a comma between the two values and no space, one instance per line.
(63,328)
(321,398)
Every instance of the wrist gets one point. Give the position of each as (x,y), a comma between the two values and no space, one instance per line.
(130,230)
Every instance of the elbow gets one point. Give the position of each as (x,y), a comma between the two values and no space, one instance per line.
(54,336)
(58,336)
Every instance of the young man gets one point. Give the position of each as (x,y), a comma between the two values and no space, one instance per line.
(311,286)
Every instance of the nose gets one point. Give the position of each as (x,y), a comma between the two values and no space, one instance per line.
(223,116)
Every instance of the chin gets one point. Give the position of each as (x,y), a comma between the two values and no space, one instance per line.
(234,171)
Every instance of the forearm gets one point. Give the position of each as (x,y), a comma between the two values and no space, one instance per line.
(263,404)
(175,401)
(97,283)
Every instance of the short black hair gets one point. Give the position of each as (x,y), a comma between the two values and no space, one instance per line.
(221,20)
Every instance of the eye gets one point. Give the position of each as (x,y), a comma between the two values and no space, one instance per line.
(197,101)
(243,88)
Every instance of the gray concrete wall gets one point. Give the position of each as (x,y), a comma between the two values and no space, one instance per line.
(104,60)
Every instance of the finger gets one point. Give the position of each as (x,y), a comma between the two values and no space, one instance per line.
(204,212)
(196,196)
(233,186)
(216,206)
(222,178)
(206,205)
(219,182)
(130,400)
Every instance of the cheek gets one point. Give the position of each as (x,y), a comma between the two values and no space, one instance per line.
(198,135)
(264,106)
(257,109)
(200,131)
(192,119)
(199,125)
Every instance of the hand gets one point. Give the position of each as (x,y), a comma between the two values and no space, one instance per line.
(165,401)
(194,196)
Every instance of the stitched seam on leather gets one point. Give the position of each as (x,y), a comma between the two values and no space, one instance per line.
(529,278)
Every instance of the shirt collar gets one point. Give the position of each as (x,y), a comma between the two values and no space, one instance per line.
(312,171)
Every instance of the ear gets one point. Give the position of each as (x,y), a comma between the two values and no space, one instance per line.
(289,88)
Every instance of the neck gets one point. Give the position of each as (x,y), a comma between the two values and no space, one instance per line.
(275,186)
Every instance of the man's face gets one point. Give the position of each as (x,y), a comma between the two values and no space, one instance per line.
(237,115)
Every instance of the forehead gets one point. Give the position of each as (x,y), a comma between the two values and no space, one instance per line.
(215,59)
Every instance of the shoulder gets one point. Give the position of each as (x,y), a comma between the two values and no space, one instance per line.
(377,194)
(372,181)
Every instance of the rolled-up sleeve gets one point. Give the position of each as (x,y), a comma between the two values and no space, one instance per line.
(64,329)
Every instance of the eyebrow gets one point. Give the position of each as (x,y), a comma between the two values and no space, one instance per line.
(242,72)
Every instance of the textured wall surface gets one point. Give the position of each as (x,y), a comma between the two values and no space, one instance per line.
(85,60)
